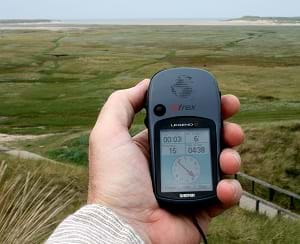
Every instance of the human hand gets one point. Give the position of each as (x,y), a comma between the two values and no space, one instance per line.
(119,176)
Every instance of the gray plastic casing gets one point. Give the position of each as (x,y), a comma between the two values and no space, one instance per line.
(187,87)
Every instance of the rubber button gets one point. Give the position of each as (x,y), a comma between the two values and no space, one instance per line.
(159,110)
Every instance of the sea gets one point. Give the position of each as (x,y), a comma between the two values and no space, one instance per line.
(144,21)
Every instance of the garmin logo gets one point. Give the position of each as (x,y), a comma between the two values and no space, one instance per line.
(183,125)
(187,195)
(183,107)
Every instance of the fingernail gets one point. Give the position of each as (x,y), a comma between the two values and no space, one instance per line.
(237,157)
(235,185)
(141,83)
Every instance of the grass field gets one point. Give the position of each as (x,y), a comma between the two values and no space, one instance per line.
(56,82)
(235,226)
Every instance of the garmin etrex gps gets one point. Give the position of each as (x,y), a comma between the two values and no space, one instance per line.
(184,121)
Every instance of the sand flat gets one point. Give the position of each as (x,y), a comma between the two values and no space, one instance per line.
(69,25)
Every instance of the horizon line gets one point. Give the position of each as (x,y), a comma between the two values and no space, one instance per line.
(155,18)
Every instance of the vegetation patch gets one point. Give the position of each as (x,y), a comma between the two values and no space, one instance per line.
(30,210)
(59,80)
(240,226)
(73,151)
(271,153)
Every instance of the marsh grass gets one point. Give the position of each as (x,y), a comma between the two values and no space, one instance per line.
(57,81)
(74,151)
(271,153)
(237,226)
(29,209)
(234,226)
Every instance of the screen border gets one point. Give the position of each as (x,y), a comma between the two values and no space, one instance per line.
(186,123)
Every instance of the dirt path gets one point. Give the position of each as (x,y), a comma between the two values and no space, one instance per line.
(11,138)
(6,139)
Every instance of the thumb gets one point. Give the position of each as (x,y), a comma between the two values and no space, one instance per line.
(118,112)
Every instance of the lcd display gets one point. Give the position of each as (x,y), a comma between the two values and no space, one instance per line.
(185,160)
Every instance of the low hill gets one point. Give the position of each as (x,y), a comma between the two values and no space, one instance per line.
(279,20)
(24,21)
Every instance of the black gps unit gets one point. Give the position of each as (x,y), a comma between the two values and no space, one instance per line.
(184,121)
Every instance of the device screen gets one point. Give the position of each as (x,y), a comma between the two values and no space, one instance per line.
(185,160)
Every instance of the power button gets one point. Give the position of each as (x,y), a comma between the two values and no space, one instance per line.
(159,110)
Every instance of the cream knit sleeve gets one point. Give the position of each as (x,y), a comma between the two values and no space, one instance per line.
(93,224)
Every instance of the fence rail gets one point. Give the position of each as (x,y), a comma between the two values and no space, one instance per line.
(254,203)
(271,188)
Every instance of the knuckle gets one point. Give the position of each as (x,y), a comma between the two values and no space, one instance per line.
(116,95)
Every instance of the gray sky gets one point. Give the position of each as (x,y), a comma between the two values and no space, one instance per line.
(131,9)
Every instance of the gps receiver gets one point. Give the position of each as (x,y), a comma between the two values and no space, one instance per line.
(184,121)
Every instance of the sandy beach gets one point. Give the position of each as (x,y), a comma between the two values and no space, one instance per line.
(83,24)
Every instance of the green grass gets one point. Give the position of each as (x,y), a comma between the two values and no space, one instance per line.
(29,210)
(73,151)
(58,174)
(265,154)
(34,198)
(234,226)
(56,81)
(68,148)
(240,226)
(271,153)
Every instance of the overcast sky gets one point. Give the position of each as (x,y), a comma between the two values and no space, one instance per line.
(137,9)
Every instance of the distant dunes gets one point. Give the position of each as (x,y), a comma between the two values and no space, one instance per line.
(24,21)
(279,20)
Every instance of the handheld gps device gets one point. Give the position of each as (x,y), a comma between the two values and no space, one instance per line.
(184,121)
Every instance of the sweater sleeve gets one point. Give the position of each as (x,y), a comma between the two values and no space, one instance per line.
(94,224)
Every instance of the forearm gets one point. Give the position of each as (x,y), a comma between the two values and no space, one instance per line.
(94,224)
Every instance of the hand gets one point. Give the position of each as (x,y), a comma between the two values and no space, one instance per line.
(120,178)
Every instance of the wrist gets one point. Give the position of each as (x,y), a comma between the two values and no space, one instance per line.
(127,217)
(138,227)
